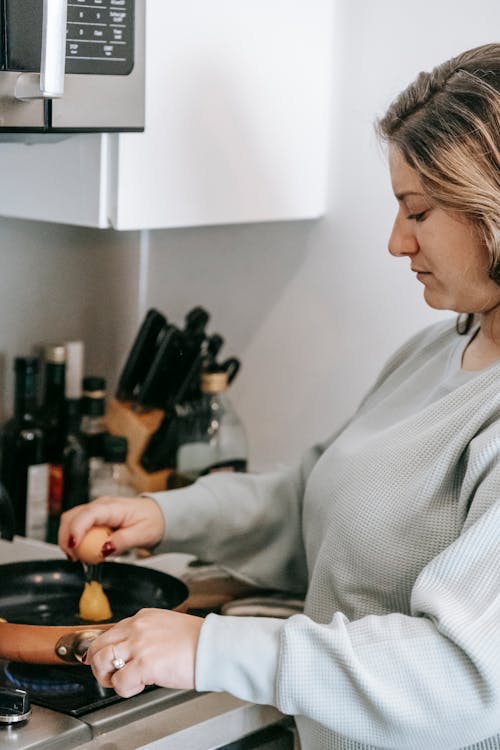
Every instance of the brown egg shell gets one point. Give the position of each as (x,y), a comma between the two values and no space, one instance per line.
(90,548)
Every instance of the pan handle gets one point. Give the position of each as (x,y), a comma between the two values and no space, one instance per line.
(71,647)
(47,644)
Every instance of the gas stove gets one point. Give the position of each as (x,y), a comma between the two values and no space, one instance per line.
(69,709)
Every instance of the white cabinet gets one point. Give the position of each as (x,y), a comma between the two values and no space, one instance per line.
(237,126)
(63,182)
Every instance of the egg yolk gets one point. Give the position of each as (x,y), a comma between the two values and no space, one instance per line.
(94,604)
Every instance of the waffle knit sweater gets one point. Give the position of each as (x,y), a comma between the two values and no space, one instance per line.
(393,528)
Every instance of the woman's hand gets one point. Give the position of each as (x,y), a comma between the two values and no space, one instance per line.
(157,646)
(136,522)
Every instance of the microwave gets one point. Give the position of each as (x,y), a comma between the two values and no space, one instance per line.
(72,66)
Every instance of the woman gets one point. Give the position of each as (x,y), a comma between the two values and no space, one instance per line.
(393,525)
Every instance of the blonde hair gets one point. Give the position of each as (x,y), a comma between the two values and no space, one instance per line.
(447,126)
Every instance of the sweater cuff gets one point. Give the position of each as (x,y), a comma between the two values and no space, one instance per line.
(186,513)
(239,655)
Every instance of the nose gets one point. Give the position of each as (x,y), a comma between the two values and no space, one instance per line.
(402,240)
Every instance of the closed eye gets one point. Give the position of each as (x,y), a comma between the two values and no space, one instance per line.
(417,217)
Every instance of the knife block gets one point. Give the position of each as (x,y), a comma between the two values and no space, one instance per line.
(137,427)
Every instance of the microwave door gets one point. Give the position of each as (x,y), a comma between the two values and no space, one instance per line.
(71,65)
(105,70)
(99,103)
(96,103)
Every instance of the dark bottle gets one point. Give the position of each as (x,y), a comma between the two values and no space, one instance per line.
(52,415)
(7,522)
(93,424)
(75,489)
(24,470)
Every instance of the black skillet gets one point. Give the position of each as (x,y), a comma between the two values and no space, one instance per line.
(40,599)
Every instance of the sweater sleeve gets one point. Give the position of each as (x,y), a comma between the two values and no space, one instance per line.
(428,679)
(247,523)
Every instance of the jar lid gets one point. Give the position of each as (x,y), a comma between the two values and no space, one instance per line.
(213,382)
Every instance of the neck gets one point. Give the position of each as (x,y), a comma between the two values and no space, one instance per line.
(490,326)
(484,349)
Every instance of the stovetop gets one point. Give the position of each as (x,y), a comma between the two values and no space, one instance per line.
(71,690)
(70,709)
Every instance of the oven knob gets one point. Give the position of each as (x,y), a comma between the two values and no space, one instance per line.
(15,706)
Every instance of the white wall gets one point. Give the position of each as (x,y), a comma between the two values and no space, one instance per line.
(61,283)
(312,308)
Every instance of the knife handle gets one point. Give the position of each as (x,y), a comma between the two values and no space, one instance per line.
(231,367)
(151,390)
(141,355)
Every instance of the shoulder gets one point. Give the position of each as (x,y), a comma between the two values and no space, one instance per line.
(430,336)
(420,346)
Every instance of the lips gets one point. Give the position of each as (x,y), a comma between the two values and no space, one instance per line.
(423,277)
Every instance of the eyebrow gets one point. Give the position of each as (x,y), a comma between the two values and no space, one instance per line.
(402,196)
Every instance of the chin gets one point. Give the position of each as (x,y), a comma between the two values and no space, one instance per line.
(438,302)
(435,302)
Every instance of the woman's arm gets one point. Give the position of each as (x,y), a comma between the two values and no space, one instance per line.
(408,682)
(431,679)
(248,523)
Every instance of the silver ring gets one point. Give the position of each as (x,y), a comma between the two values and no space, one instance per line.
(117,661)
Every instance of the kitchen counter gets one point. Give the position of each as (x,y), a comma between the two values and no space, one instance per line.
(184,721)
(45,730)
(201,722)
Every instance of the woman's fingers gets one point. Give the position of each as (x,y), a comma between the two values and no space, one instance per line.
(135,521)
(118,669)
(76,522)
(124,686)
(108,661)
(154,647)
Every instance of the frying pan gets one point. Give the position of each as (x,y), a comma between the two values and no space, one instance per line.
(40,601)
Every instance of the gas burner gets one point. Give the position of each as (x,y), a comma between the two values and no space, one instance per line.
(71,690)
(42,681)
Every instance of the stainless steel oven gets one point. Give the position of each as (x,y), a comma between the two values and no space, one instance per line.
(71,65)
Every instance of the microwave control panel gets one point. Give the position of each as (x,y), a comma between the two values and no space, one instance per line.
(99,36)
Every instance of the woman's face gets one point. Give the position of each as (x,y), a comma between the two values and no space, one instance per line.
(444,250)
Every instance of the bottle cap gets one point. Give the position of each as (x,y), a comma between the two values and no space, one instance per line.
(26,363)
(92,385)
(55,354)
(115,449)
(93,396)
(213,382)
